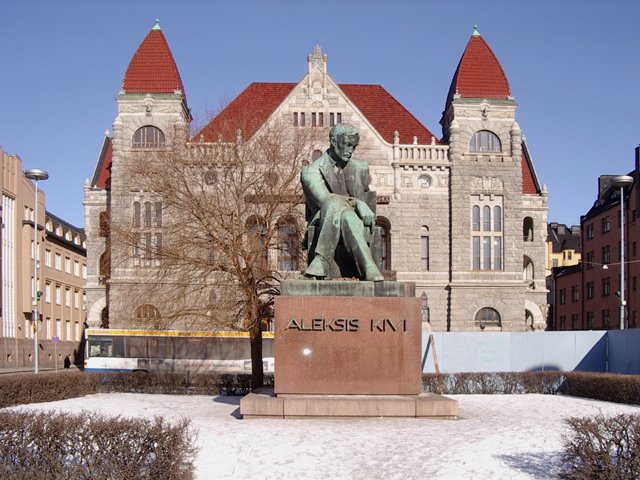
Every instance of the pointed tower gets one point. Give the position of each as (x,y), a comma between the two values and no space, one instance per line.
(152,115)
(495,276)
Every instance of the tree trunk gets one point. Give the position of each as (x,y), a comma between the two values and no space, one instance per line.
(257,374)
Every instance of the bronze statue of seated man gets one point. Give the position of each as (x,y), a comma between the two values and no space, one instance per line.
(336,187)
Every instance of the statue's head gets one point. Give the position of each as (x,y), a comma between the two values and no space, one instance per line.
(344,139)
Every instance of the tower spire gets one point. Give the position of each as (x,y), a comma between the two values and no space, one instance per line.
(157,25)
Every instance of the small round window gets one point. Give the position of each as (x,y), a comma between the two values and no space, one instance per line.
(424,181)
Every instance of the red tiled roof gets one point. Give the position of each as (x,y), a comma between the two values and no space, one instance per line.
(386,114)
(249,110)
(153,69)
(102,175)
(479,74)
(528,183)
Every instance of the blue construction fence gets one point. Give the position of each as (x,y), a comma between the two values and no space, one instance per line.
(616,351)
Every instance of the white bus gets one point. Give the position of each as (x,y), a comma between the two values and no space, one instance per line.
(113,350)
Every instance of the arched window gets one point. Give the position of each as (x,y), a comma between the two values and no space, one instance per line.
(497,219)
(527,229)
(257,241)
(288,245)
(488,317)
(146,312)
(385,240)
(148,137)
(527,269)
(475,220)
(485,141)
(486,218)
(424,248)
(104,268)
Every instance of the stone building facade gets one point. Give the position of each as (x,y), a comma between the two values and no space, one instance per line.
(463,216)
(61,275)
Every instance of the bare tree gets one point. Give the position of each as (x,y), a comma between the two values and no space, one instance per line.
(219,229)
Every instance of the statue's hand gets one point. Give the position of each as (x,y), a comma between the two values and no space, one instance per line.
(365,213)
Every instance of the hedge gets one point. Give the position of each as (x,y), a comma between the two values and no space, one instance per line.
(38,446)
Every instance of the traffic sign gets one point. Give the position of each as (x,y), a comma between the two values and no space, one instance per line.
(55,339)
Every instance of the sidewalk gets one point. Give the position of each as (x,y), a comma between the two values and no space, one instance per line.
(60,369)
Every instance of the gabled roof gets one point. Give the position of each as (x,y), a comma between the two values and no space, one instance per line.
(249,110)
(530,184)
(102,173)
(152,68)
(386,114)
(479,74)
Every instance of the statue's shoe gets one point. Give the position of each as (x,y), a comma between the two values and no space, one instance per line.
(318,268)
(372,274)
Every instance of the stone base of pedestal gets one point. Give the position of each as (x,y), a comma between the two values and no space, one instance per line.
(264,404)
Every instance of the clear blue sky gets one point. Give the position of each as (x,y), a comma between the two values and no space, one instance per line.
(573,67)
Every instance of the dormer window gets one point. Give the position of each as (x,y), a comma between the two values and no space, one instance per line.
(148,137)
(485,141)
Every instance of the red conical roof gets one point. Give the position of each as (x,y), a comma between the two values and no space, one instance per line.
(479,74)
(153,69)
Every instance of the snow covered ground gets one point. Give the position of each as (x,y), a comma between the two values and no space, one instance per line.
(496,437)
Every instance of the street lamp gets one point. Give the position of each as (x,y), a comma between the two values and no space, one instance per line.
(36,175)
(622,181)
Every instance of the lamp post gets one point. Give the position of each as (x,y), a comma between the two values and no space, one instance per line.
(622,181)
(36,175)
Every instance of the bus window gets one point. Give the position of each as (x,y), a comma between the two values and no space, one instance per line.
(118,347)
(101,348)
(137,347)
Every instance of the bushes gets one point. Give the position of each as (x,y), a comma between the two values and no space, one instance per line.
(494,383)
(38,446)
(28,388)
(602,447)
(599,386)
(604,386)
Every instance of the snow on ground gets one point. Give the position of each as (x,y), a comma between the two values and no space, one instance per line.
(496,436)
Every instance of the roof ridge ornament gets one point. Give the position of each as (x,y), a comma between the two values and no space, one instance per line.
(475,33)
(157,25)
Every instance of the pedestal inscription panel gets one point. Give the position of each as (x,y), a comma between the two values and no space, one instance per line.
(347,345)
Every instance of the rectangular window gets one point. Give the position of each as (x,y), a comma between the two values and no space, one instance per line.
(332,120)
(302,119)
(497,253)
(67,265)
(606,224)
(563,322)
(563,296)
(58,261)
(68,330)
(606,255)
(48,327)
(76,268)
(158,214)
(77,331)
(590,320)
(486,253)
(67,297)
(295,119)
(47,258)
(590,231)
(424,252)
(590,259)
(606,318)
(313,119)
(76,299)
(339,117)
(476,253)
(58,327)
(321,119)
(47,292)
(606,286)
(84,271)
(574,321)
(590,290)
(575,293)
(58,295)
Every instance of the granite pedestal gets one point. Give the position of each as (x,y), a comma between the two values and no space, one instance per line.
(347,348)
